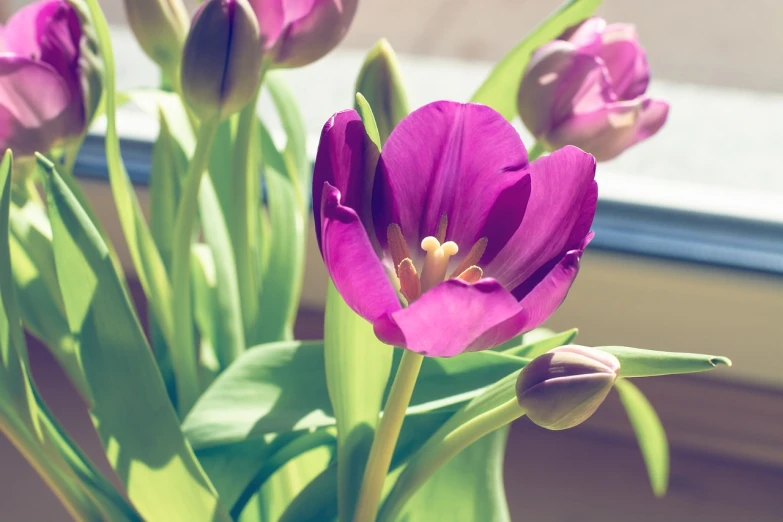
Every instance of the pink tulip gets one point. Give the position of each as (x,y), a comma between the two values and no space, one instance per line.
(587,88)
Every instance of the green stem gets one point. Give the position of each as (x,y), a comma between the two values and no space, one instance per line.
(538,150)
(438,451)
(184,353)
(245,197)
(386,437)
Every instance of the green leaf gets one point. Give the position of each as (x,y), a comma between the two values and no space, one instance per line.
(499,90)
(292,120)
(134,418)
(636,362)
(281,387)
(649,433)
(147,261)
(469,487)
(282,282)
(358,366)
(538,346)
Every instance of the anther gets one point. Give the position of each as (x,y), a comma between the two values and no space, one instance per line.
(397,246)
(473,257)
(472,275)
(410,286)
(442,226)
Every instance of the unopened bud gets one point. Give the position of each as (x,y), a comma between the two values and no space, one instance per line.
(381,84)
(562,388)
(160,26)
(221,63)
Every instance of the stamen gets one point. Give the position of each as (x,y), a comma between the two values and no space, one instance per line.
(442,226)
(410,286)
(473,257)
(436,262)
(472,275)
(397,245)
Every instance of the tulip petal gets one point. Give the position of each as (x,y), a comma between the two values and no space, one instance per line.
(559,215)
(342,162)
(625,60)
(352,264)
(462,160)
(561,80)
(33,100)
(607,132)
(584,33)
(452,318)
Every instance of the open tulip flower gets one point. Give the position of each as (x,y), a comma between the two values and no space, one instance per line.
(587,88)
(480,243)
(296,33)
(41,90)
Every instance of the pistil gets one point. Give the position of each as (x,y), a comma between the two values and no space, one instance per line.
(437,261)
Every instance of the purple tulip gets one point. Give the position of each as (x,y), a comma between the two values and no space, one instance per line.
(482,244)
(587,88)
(299,32)
(42,98)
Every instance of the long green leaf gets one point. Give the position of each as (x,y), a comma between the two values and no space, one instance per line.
(636,362)
(147,261)
(281,387)
(358,366)
(499,90)
(134,418)
(292,120)
(649,433)
(533,349)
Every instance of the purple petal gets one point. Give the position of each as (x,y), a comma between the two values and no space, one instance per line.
(452,318)
(342,161)
(49,31)
(607,132)
(625,60)
(540,300)
(462,160)
(586,32)
(33,104)
(559,81)
(559,215)
(351,261)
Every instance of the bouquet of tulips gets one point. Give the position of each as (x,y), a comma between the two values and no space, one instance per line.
(448,243)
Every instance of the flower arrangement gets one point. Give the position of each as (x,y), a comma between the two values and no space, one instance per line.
(448,243)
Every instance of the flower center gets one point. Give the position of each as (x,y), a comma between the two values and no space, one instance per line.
(436,262)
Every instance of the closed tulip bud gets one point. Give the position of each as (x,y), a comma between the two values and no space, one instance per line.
(50,77)
(298,33)
(160,26)
(587,88)
(563,388)
(381,84)
(221,63)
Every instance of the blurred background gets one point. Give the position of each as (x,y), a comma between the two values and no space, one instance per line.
(688,254)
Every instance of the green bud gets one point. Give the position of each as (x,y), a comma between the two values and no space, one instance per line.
(221,63)
(562,388)
(381,84)
(160,26)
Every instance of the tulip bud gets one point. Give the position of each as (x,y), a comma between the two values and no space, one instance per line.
(221,63)
(160,26)
(380,82)
(562,388)
(587,88)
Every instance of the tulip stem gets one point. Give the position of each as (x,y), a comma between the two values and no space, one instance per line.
(245,196)
(386,437)
(438,450)
(538,150)
(184,352)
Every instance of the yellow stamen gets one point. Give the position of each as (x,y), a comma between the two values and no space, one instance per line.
(436,262)
(442,226)
(410,286)
(473,257)
(397,246)
(472,275)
